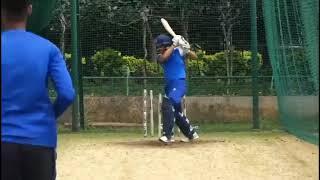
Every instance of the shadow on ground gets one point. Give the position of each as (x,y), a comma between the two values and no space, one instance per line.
(176,144)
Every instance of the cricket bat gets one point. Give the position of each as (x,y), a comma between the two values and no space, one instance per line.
(167,27)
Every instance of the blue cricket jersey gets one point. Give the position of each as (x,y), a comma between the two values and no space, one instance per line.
(175,68)
(28,115)
(175,75)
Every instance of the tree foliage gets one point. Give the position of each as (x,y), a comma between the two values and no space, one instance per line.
(109,25)
(110,62)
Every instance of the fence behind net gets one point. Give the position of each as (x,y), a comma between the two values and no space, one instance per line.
(197,86)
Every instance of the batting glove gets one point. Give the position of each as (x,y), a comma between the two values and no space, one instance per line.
(184,45)
(176,39)
(186,50)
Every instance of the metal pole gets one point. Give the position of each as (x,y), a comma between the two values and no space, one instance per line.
(75,66)
(81,102)
(254,64)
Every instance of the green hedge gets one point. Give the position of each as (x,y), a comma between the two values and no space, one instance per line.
(109,62)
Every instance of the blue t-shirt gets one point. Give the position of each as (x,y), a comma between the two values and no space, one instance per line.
(28,115)
(175,68)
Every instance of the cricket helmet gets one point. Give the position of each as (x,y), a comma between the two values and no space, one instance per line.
(162,40)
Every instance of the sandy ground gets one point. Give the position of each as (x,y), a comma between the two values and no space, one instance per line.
(277,157)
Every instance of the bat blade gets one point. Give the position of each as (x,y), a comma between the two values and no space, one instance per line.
(167,27)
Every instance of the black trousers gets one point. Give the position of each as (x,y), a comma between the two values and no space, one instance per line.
(27,162)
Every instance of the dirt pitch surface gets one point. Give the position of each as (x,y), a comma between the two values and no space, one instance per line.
(218,156)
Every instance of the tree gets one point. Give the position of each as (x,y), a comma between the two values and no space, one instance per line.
(184,11)
(228,16)
(64,22)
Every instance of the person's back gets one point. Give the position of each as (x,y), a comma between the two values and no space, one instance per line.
(28,115)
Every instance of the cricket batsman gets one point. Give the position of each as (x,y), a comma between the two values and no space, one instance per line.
(172,55)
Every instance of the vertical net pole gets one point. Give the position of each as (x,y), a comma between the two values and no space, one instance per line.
(80,74)
(75,66)
(254,50)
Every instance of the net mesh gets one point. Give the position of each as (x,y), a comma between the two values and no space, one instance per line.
(118,55)
(116,45)
(41,14)
(292,29)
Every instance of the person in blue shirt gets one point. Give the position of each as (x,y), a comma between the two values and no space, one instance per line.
(172,56)
(29,118)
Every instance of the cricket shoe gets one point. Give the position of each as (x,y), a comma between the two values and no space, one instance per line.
(166,140)
(194,137)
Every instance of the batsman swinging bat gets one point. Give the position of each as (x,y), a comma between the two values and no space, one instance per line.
(167,27)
